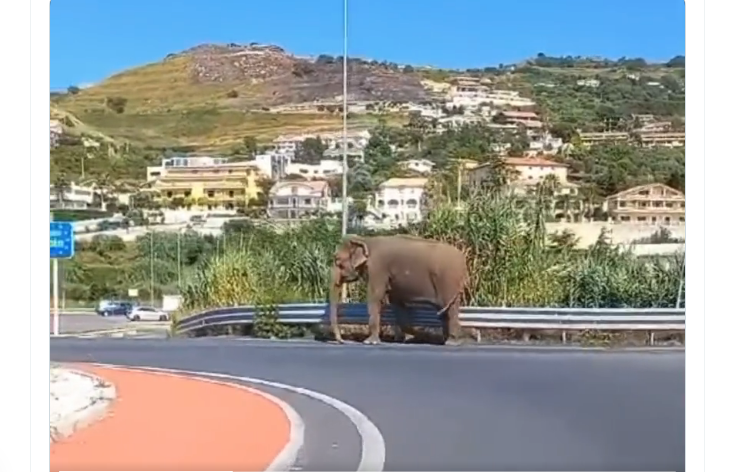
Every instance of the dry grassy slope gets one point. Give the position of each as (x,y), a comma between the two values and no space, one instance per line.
(166,108)
(74,126)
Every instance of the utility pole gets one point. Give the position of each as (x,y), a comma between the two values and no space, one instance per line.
(345,147)
(179,262)
(152,269)
(344,122)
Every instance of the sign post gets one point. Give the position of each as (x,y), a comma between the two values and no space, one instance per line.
(62,247)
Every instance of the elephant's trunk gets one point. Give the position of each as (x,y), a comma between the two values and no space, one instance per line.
(335,293)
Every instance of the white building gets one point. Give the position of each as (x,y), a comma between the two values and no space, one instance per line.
(426,111)
(508,98)
(56,130)
(290,143)
(155,172)
(543,142)
(423,166)
(273,164)
(456,121)
(325,168)
(75,196)
(399,201)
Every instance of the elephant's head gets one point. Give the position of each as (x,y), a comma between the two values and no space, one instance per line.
(349,264)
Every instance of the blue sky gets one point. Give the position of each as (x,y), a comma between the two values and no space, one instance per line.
(92,39)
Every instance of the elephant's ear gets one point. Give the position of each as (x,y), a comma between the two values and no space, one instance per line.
(358,252)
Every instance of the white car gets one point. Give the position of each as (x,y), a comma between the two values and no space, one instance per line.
(147,313)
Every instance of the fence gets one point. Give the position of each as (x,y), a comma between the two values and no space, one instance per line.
(560,319)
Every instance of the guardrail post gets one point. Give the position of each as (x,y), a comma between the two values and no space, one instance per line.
(564,337)
(651,338)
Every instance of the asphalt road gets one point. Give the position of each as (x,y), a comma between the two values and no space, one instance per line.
(441,408)
(74,323)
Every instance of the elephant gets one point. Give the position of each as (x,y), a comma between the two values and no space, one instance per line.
(404,270)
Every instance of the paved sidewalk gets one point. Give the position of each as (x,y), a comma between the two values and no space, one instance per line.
(161,422)
(76,400)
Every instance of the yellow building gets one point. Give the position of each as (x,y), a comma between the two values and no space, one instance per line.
(213,186)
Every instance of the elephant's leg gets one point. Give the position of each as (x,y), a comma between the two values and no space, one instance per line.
(403,323)
(452,325)
(376,294)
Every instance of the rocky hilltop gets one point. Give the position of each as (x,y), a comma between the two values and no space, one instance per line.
(291,79)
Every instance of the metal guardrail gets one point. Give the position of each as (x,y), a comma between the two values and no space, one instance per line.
(563,319)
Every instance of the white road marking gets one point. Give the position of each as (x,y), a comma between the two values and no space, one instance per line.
(284,461)
(372,455)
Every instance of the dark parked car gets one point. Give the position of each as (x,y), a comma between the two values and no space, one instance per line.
(114,308)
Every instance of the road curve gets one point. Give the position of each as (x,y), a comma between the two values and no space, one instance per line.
(440,408)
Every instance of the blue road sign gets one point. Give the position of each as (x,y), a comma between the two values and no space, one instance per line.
(62,240)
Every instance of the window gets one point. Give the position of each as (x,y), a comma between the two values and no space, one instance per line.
(667,219)
(307,201)
(211,194)
(169,194)
(231,194)
(622,204)
(644,192)
(187,193)
(681,218)
(625,218)
(641,218)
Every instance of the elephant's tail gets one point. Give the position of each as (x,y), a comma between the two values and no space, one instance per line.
(448,305)
(460,289)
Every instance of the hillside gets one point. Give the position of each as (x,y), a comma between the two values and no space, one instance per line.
(210,97)
(214,95)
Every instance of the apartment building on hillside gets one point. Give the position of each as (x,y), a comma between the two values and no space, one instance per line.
(323,169)
(155,172)
(613,137)
(423,166)
(56,130)
(213,186)
(528,119)
(661,139)
(651,204)
(77,197)
(293,200)
(525,169)
(400,200)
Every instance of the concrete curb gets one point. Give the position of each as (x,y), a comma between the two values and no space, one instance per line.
(104,394)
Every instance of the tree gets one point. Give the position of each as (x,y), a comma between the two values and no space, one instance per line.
(61,186)
(310,151)
(250,145)
(500,119)
(116,104)
(676,62)
(104,187)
